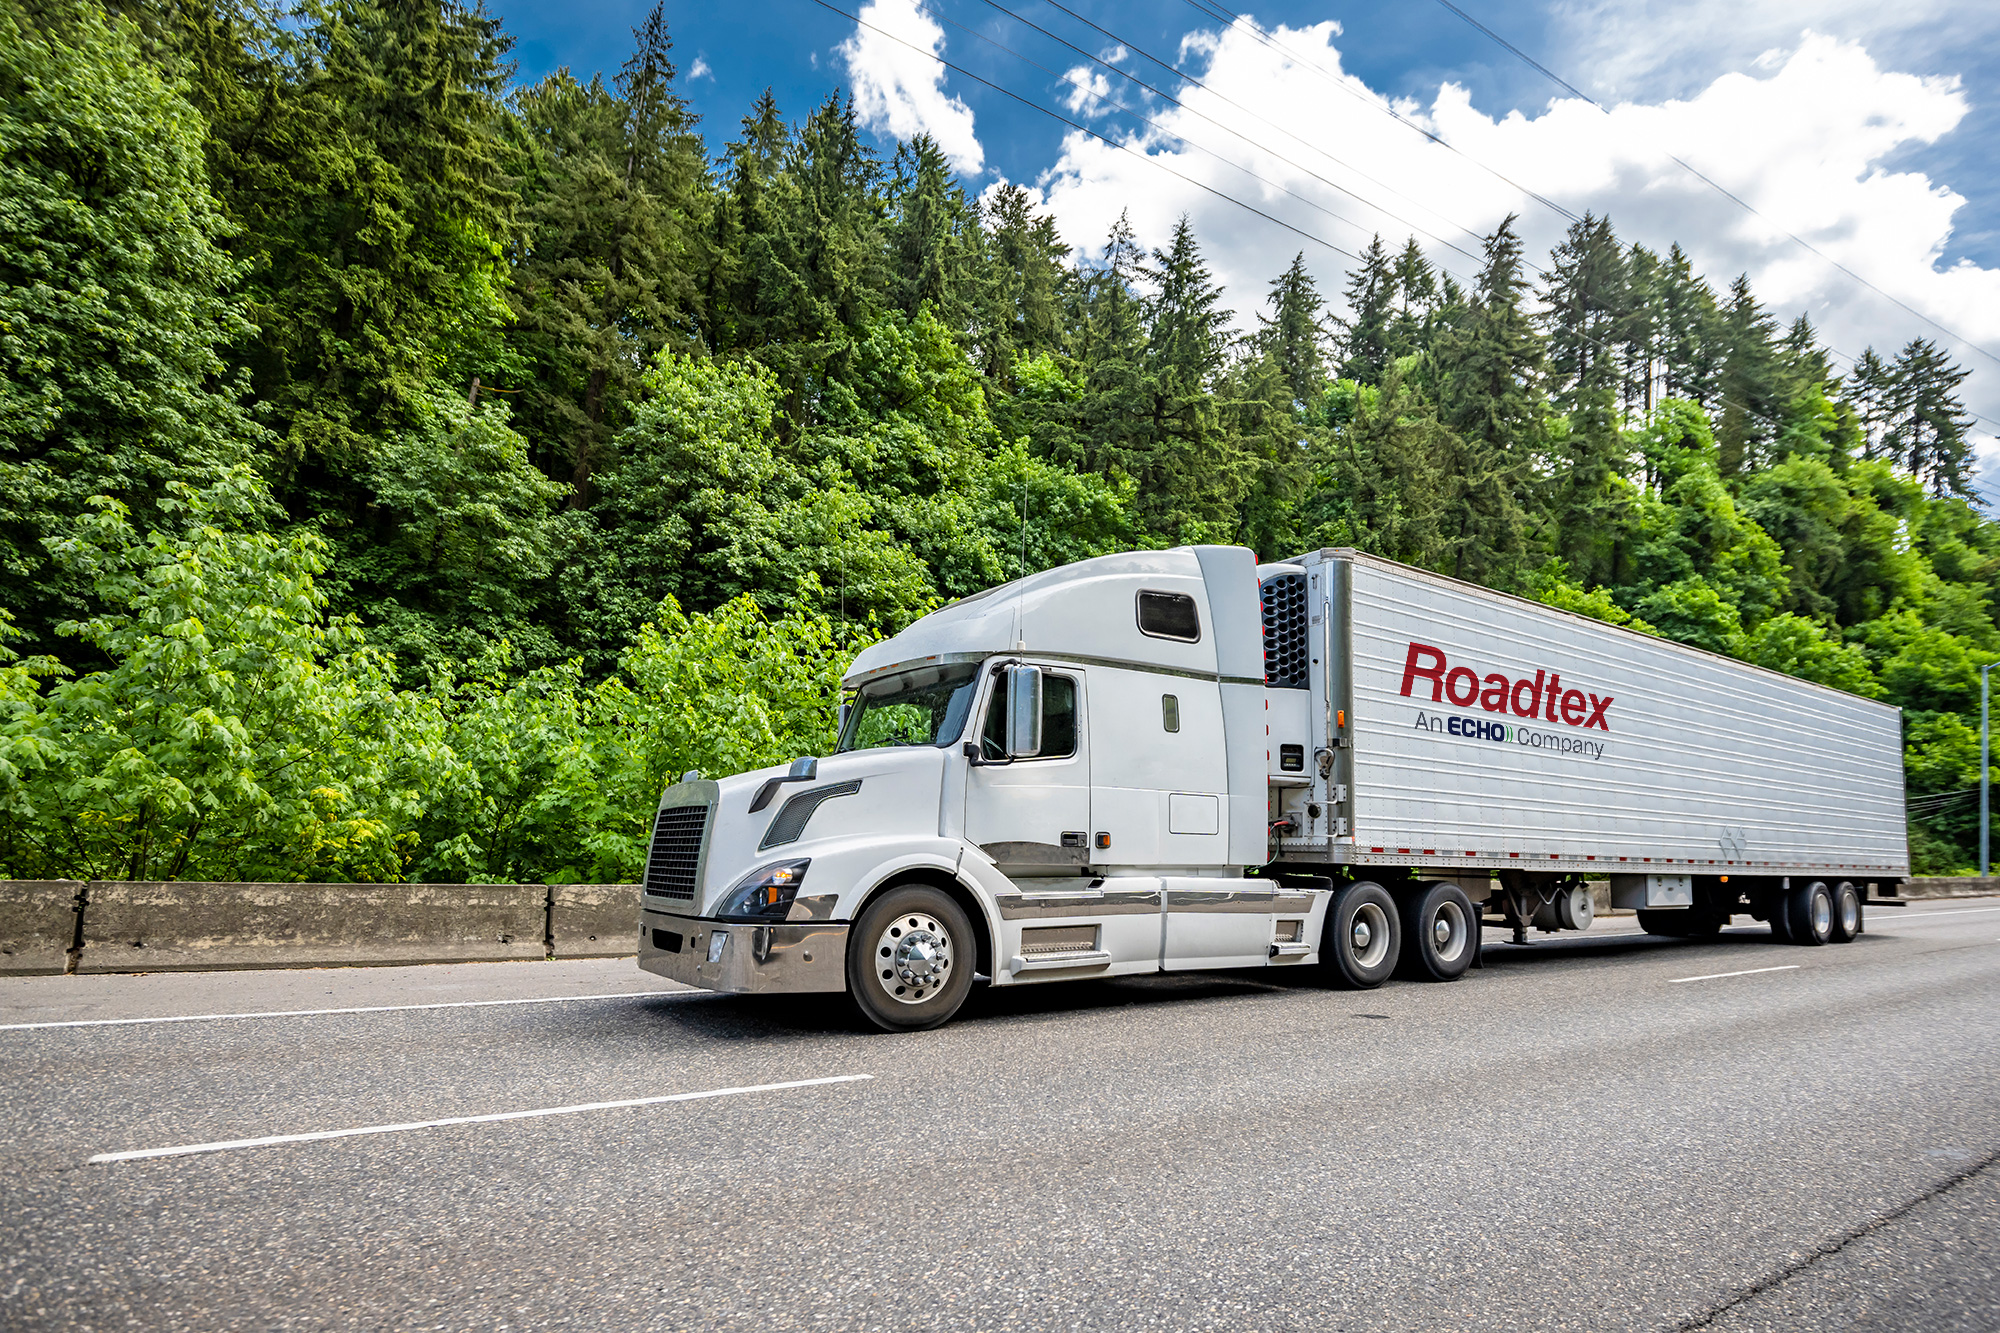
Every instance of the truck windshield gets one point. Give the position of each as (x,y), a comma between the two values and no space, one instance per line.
(923,707)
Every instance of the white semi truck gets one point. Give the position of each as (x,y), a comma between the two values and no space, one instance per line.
(1171,760)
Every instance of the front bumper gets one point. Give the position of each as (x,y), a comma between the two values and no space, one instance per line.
(785,958)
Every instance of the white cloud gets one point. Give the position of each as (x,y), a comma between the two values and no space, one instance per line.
(1089,90)
(1671,48)
(900,91)
(700,69)
(1804,143)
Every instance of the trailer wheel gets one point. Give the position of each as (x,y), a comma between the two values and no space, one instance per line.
(1847,915)
(1439,938)
(1363,937)
(1809,913)
(910,959)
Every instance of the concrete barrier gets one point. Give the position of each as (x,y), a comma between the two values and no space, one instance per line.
(38,925)
(191,926)
(593,920)
(1952,886)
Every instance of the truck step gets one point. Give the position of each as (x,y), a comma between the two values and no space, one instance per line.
(1290,950)
(1042,962)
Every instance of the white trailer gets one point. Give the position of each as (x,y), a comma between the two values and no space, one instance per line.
(1172,760)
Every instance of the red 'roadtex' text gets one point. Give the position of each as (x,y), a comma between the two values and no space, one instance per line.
(1542,697)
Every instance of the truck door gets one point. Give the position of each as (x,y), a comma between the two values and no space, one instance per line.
(1033,814)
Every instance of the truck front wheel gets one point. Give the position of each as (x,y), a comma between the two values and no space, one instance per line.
(1363,938)
(910,959)
(1438,932)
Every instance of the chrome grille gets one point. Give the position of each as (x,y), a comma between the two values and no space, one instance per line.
(675,857)
(1284,598)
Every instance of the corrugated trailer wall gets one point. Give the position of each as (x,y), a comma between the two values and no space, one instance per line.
(1647,753)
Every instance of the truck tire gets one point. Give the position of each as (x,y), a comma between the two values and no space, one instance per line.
(1809,913)
(1848,921)
(910,959)
(1363,937)
(1439,938)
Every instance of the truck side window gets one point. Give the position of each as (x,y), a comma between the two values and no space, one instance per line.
(1058,719)
(1169,615)
(1170,712)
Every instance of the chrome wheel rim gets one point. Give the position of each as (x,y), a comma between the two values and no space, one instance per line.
(1822,914)
(1449,932)
(913,958)
(1850,913)
(1368,934)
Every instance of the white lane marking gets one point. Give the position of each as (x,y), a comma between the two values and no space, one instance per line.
(1949,911)
(315,1013)
(1747,972)
(227,1144)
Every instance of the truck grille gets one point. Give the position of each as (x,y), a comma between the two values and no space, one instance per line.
(676,851)
(1284,598)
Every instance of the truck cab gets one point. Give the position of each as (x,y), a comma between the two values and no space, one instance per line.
(1067,776)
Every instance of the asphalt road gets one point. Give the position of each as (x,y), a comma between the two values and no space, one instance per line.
(1571,1138)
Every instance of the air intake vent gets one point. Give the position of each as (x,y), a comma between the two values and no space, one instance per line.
(1284,598)
(671,865)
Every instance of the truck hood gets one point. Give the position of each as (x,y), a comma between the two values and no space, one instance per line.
(889,792)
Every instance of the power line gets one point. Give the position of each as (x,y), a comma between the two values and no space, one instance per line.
(1215,10)
(1229,101)
(1183,138)
(1085,129)
(1564,84)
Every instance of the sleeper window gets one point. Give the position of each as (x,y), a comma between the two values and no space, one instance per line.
(1170,712)
(1169,615)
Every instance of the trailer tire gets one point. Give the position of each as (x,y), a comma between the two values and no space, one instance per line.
(945,954)
(1440,932)
(1809,913)
(1363,937)
(1848,922)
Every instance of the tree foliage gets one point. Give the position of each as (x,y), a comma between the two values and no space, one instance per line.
(403,472)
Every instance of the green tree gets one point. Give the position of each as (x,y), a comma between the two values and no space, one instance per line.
(115,302)
(235,733)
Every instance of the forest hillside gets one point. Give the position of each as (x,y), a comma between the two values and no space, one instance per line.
(405,470)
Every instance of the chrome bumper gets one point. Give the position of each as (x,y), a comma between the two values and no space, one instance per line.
(794,957)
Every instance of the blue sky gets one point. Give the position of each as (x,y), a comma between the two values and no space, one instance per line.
(1868,129)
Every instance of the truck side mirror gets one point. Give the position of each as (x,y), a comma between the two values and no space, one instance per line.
(1024,711)
(840,719)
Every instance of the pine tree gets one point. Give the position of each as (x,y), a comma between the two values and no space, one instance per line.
(933,236)
(1189,480)
(604,278)
(1586,298)
(1927,433)
(1686,326)
(1416,302)
(1371,300)
(1490,364)
(1753,384)
(1291,335)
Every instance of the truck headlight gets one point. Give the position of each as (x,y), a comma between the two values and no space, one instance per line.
(766,893)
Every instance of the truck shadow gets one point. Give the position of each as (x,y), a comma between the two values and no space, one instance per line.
(765,1017)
